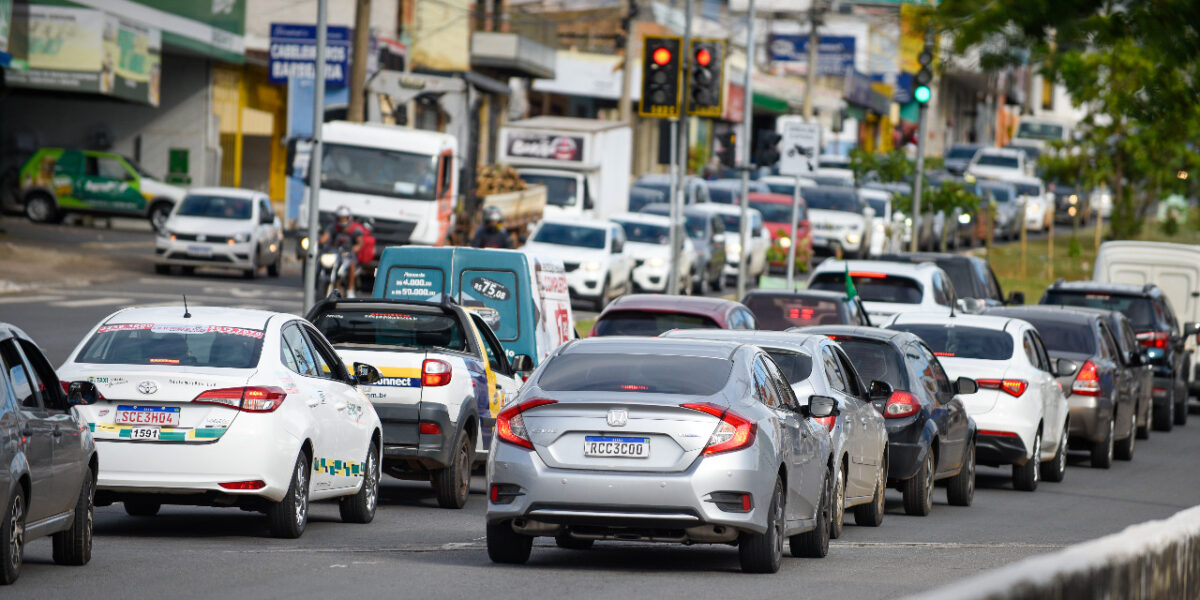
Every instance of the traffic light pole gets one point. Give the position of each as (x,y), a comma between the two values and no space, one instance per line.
(747,136)
(914,243)
(314,161)
(680,161)
(675,213)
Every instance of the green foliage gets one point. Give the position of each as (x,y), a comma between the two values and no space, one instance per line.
(890,167)
(1074,248)
(697,158)
(950,196)
(1170,226)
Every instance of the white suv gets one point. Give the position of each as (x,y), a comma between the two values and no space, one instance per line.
(887,288)
(1019,408)
(647,239)
(593,253)
(999,163)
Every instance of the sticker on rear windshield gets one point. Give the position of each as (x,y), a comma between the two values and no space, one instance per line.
(392,316)
(182,329)
(490,288)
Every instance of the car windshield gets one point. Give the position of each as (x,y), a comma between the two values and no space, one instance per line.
(834,180)
(999,160)
(173,345)
(961,152)
(639,198)
(1138,309)
(777,212)
(645,233)
(570,235)
(391,327)
(879,205)
(782,188)
(1040,131)
(796,366)
(636,373)
(1000,194)
(1063,337)
(876,361)
(779,312)
(560,191)
(216,207)
(696,226)
(825,199)
(1029,189)
(872,287)
(136,166)
(722,195)
(662,188)
(379,172)
(647,323)
(961,342)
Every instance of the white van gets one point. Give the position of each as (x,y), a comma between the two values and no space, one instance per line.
(1174,268)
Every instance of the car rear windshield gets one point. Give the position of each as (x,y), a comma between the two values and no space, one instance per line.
(876,361)
(1139,309)
(796,366)
(392,327)
(777,212)
(217,207)
(722,195)
(570,235)
(781,312)
(626,372)
(962,342)
(173,345)
(872,287)
(646,323)
(962,278)
(1064,337)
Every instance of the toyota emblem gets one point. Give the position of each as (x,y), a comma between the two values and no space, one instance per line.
(618,417)
(147,387)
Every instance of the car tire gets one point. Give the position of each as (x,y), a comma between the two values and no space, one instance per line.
(838,518)
(360,508)
(507,546)
(1124,447)
(252,272)
(719,284)
(74,546)
(141,508)
(159,211)
(1164,416)
(763,552)
(918,490)
(566,542)
(453,482)
(871,515)
(1181,404)
(162,269)
(699,285)
(1025,477)
(960,489)
(12,534)
(41,208)
(1103,450)
(1056,469)
(814,543)
(1143,428)
(601,300)
(188,270)
(289,516)
(275,268)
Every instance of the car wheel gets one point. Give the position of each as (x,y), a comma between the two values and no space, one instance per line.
(960,490)
(141,508)
(159,211)
(453,483)
(41,208)
(699,284)
(814,543)
(1143,428)
(1025,477)
(564,540)
(276,267)
(1124,448)
(1103,450)
(74,546)
(12,538)
(188,270)
(839,505)
(918,490)
(871,515)
(1181,404)
(162,269)
(1056,470)
(763,552)
(507,546)
(719,284)
(602,299)
(289,516)
(1164,416)
(360,508)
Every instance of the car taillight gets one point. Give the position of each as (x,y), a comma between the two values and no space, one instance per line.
(256,484)
(510,424)
(435,373)
(732,433)
(900,405)
(430,429)
(1087,382)
(1153,339)
(257,399)
(1013,387)
(828,422)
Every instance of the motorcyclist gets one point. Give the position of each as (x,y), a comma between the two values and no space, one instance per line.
(491,233)
(345,234)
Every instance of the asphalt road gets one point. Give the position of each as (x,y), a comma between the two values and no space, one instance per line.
(414,549)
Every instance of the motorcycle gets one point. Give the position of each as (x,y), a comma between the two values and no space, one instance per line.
(333,267)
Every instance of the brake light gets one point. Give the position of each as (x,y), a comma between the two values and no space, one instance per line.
(256,399)
(1013,387)
(732,433)
(435,373)
(430,429)
(1153,339)
(510,424)
(900,405)
(998,433)
(944,354)
(868,274)
(828,422)
(257,484)
(1087,382)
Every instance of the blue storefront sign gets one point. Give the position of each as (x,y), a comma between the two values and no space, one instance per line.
(293,53)
(835,54)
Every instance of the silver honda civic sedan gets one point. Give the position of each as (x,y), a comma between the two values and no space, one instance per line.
(661,440)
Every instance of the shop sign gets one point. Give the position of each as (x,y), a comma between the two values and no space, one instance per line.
(545,146)
(293,53)
(835,54)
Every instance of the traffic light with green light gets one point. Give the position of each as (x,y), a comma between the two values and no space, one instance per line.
(922,93)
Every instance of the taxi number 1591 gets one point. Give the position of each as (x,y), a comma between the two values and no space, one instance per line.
(143,433)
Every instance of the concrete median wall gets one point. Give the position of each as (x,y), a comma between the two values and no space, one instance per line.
(1152,560)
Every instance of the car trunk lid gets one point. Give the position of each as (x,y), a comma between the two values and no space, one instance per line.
(983,400)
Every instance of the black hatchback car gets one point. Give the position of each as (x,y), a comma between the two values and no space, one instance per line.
(49,473)
(971,276)
(780,309)
(930,435)
(1157,330)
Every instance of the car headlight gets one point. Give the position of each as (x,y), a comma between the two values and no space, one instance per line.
(328,259)
(304,243)
(785,242)
(853,238)
(733,247)
(1073,199)
(908,221)
(591,266)
(964,218)
(656,262)
(241,238)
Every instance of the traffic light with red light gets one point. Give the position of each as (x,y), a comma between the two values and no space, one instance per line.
(660,77)
(705,78)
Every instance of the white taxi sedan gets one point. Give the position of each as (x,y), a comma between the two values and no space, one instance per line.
(226,407)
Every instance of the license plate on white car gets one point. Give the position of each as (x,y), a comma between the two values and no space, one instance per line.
(619,447)
(158,416)
(199,250)
(143,433)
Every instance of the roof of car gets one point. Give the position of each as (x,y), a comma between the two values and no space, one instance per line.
(695,305)
(880,266)
(722,209)
(580,221)
(735,184)
(652,345)
(228,192)
(874,333)
(8,330)
(986,321)
(925,257)
(665,208)
(1067,314)
(247,318)
(814,294)
(1001,152)
(1098,286)
(382,304)
(647,218)
(744,336)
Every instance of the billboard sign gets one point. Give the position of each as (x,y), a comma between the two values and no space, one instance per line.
(293,53)
(835,54)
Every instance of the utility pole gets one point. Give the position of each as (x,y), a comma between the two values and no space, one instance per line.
(681,162)
(922,93)
(629,25)
(358,60)
(747,134)
(814,41)
(314,161)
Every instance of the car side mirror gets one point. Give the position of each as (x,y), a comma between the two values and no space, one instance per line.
(365,374)
(522,363)
(965,386)
(82,393)
(881,390)
(820,407)
(1016,299)
(1064,367)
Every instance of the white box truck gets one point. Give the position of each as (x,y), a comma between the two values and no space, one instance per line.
(585,164)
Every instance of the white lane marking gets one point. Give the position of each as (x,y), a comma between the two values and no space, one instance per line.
(92,302)
(945,545)
(28,299)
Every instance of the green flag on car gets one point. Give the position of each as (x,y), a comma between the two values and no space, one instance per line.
(851,293)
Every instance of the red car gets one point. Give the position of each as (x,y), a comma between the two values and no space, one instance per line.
(652,314)
(776,210)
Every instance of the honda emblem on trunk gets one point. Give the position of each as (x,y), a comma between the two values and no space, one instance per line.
(618,417)
(147,387)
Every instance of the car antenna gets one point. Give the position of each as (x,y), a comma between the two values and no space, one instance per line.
(186,314)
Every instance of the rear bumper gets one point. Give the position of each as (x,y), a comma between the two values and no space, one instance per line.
(407,453)
(906,449)
(1089,417)
(997,450)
